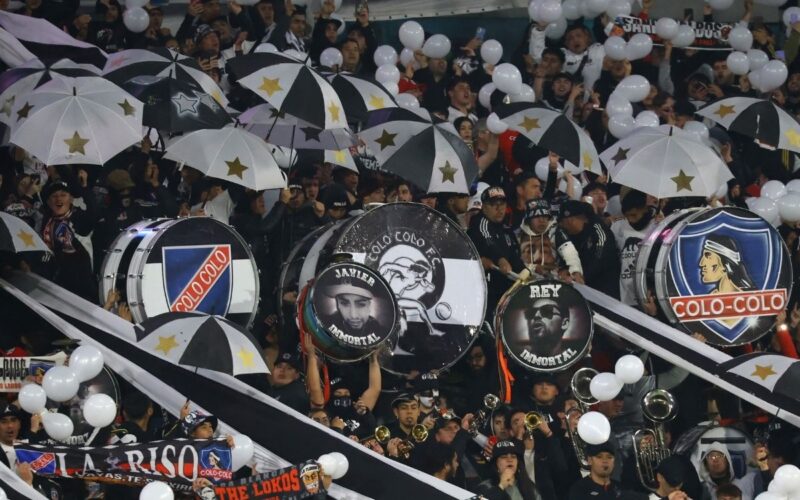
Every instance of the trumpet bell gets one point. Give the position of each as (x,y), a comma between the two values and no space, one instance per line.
(659,406)
(581,385)
(490,401)
(533,420)
(382,434)
(419,433)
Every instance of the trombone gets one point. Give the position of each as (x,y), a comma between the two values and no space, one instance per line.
(381,435)
(649,445)
(419,434)
(580,384)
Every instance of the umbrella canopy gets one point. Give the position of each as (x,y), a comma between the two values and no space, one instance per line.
(417,150)
(17,236)
(201,341)
(553,131)
(665,162)
(127,64)
(176,106)
(232,154)
(341,158)
(760,119)
(360,94)
(283,129)
(79,120)
(15,83)
(292,87)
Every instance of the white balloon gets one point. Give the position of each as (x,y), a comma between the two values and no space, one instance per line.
(341,465)
(242,451)
(331,57)
(697,130)
(556,30)
(738,63)
(549,11)
(99,410)
(406,56)
(485,95)
(788,478)
(526,95)
(132,4)
(639,46)
(789,208)
(407,101)
(87,362)
(495,124)
(594,428)
(385,54)
(391,87)
(32,398)
(268,47)
(491,52)
(60,383)
(773,75)
(667,28)
(57,425)
(774,190)
(755,79)
(412,35)
(533,10)
(605,386)
(571,9)
(720,4)
(684,37)
(597,5)
(618,105)
(136,19)
(157,491)
(437,46)
(618,8)
(793,186)
(296,54)
(792,13)
(388,73)
(647,118)
(629,369)
(621,125)
(758,58)
(615,48)
(327,463)
(764,207)
(542,169)
(768,495)
(635,88)
(507,78)
(740,39)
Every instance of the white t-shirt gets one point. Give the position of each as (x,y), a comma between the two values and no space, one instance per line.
(628,240)
(11,455)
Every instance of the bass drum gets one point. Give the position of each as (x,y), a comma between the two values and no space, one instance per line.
(433,270)
(188,264)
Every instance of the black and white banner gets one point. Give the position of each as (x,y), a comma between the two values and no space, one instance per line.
(14,371)
(15,488)
(707,35)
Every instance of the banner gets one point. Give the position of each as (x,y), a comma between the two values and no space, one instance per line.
(291,483)
(177,462)
(708,36)
(14,371)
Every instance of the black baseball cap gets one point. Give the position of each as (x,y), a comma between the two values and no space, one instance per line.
(55,187)
(571,208)
(12,411)
(505,447)
(673,470)
(292,359)
(537,208)
(492,194)
(403,397)
(596,449)
(335,196)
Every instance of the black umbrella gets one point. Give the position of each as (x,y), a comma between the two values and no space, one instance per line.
(360,94)
(282,129)
(760,119)
(176,106)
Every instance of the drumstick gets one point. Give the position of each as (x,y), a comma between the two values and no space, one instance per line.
(510,275)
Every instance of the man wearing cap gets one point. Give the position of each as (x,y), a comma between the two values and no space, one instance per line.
(508,477)
(336,201)
(406,409)
(598,485)
(353,308)
(595,244)
(286,385)
(454,206)
(10,426)
(538,246)
(670,476)
(628,233)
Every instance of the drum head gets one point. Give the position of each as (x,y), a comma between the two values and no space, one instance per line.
(435,273)
(290,271)
(545,326)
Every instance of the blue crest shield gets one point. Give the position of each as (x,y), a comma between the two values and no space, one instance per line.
(216,457)
(197,279)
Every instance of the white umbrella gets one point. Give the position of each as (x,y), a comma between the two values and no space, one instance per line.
(17,236)
(230,153)
(79,120)
(665,162)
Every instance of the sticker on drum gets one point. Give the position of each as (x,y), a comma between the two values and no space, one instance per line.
(435,274)
(189,264)
(545,326)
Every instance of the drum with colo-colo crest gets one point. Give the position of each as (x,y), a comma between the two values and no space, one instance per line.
(188,264)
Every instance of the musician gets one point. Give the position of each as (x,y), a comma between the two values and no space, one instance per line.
(543,456)
(543,395)
(670,476)
(716,470)
(598,485)
(508,480)
(406,410)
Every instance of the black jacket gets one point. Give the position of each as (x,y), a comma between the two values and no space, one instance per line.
(599,256)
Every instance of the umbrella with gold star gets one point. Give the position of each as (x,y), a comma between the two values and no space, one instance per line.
(771,377)
(665,162)
(769,125)
(283,129)
(414,148)
(17,236)
(230,153)
(86,120)
(360,94)
(553,131)
(290,86)
(201,341)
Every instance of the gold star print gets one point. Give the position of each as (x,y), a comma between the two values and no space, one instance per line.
(333,109)
(587,160)
(793,136)
(76,143)
(6,109)
(236,168)
(529,123)
(448,172)
(386,139)
(724,111)
(127,108)
(339,157)
(682,181)
(270,86)
(26,238)
(23,111)
(166,344)
(763,372)
(376,102)
(246,357)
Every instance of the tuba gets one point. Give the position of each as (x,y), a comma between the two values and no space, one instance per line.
(649,445)
(579,384)
(490,402)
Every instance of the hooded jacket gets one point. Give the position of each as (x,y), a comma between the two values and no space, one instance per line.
(745,483)
(538,250)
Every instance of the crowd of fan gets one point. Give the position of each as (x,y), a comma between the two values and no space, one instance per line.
(588,234)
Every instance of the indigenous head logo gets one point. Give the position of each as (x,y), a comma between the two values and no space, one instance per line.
(727,275)
(310,476)
(215,463)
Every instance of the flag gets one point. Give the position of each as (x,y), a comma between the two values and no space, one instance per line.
(759,372)
(15,488)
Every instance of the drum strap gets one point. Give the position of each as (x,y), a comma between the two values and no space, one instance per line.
(506,378)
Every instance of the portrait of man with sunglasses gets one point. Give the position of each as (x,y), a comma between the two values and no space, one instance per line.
(547,324)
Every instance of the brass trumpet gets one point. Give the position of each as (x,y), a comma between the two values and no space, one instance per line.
(419,434)
(659,407)
(579,384)
(381,435)
(533,420)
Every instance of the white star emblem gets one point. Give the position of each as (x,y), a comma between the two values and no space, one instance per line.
(186,103)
